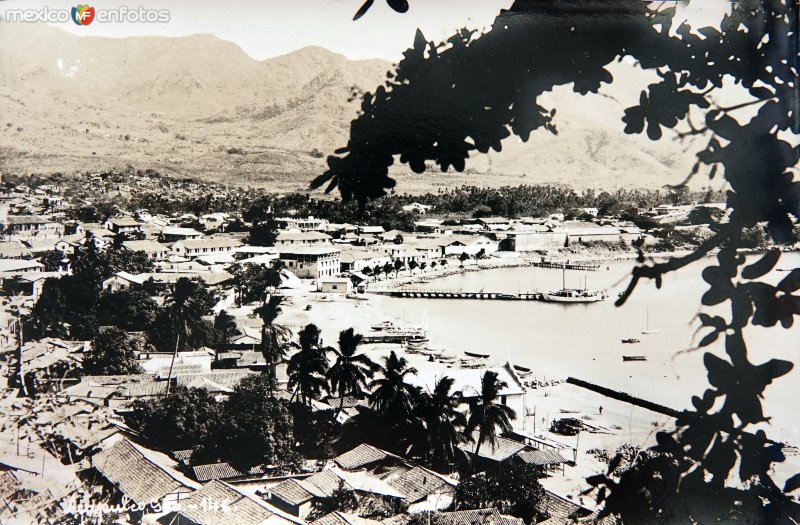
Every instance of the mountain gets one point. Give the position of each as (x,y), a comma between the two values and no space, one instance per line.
(200,106)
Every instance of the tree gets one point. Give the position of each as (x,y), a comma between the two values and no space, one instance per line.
(443,423)
(307,367)
(349,373)
(391,396)
(53,260)
(398,265)
(463,257)
(487,415)
(274,337)
(225,325)
(184,419)
(264,233)
(514,488)
(254,429)
(114,352)
(184,312)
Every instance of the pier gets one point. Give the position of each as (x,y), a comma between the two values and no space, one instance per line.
(566,266)
(459,294)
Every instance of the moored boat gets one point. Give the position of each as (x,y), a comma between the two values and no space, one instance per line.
(634,358)
(573,295)
(631,340)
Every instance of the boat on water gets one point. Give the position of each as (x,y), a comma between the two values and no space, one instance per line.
(479,356)
(631,341)
(385,325)
(573,295)
(634,358)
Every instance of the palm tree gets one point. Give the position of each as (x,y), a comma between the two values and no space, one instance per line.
(184,314)
(274,337)
(308,366)
(391,396)
(444,423)
(486,415)
(348,375)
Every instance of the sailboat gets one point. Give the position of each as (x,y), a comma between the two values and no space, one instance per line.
(647,330)
(573,295)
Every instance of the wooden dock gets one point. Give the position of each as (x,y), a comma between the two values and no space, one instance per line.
(459,294)
(567,266)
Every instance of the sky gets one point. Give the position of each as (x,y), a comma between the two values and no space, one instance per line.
(267,28)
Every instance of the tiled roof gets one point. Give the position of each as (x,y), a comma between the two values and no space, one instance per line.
(560,507)
(477,517)
(292,492)
(137,476)
(361,456)
(218,503)
(204,473)
(332,518)
(147,246)
(500,450)
(418,483)
(325,482)
(542,457)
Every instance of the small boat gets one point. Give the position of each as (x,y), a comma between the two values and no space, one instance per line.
(522,371)
(432,351)
(479,356)
(630,341)
(634,358)
(385,325)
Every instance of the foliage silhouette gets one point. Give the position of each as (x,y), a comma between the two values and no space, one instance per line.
(446,101)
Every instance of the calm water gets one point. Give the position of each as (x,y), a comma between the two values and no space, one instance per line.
(584,340)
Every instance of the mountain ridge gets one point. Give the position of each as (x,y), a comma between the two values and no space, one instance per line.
(198,105)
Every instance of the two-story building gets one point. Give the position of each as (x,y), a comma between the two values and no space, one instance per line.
(311,262)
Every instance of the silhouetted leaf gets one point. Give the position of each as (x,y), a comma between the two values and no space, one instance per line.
(792,483)
(762,266)
(791,282)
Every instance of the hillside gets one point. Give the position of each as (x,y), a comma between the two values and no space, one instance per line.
(200,106)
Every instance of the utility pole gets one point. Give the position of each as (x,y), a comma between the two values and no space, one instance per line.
(19,356)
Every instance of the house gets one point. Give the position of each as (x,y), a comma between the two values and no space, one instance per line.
(533,238)
(406,255)
(311,262)
(122,281)
(218,503)
(30,226)
(424,489)
(14,250)
(495,223)
(297,496)
(370,230)
(355,260)
(293,237)
(174,233)
(146,477)
(587,232)
(123,225)
(468,244)
(416,207)
(207,246)
(16,266)
(154,250)
(29,284)
(306,224)
(335,285)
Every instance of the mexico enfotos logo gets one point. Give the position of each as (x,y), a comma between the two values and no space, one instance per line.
(83,15)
